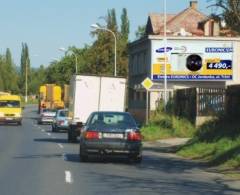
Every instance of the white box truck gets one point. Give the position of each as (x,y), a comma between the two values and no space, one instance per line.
(93,93)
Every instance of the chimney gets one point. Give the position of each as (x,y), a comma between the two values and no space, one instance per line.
(194,4)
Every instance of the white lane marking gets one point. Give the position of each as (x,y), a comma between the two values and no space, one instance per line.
(43,130)
(49,134)
(60,145)
(54,138)
(68,177)
(65,157)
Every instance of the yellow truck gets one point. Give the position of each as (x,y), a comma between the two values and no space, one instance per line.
(10,109)
(50,96)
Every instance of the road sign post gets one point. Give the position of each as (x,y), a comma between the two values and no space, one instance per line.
(147,84)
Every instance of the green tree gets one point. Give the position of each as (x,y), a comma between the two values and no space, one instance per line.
(140,32)
(11,76)
(2,72)
(38,77)
(25,66)
(229,11)
(124,25)
(122,61)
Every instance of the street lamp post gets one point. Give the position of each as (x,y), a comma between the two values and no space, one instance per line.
(76,61)
(165,55)
(97,27)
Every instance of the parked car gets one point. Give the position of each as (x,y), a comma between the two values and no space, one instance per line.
(109,133)
(47,116)
(60,121)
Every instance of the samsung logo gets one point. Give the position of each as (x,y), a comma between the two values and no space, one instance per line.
(162,49)
(218,49)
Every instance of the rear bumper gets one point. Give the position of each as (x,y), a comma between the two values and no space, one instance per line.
(10,119)
(127,148)
(64,127)
(46,120)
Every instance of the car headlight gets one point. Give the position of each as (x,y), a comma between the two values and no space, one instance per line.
(1,114)
(18,114)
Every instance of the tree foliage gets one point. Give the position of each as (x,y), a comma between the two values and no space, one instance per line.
(98,58)
(230,12)
(140,31)
(8,74)
(24,68)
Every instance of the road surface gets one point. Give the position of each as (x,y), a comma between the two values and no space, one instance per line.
(35,161)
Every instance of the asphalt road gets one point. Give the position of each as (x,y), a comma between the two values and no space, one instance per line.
(35,161)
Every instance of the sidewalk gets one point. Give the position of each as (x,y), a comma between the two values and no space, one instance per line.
(165,145)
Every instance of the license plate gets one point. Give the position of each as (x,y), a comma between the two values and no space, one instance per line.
(9,119)
(113,135)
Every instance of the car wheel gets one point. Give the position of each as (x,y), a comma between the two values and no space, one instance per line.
(53,128)
(83,156)
(135,159)
(19,123)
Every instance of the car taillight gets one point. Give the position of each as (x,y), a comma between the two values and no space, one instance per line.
(60,122)
(92,135)
(134,136)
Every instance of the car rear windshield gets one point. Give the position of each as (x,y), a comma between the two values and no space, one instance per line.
(117,120)
(49,110)
(9,104)
(63,113)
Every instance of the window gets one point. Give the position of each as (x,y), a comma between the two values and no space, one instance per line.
(9,104)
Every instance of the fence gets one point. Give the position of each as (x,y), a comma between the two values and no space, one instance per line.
(233,101)
(192,103)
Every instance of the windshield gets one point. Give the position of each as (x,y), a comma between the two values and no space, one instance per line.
(117,120)
(49,110)
(9,104)
(63,113)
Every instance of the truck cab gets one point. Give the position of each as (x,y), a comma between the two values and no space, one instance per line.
(10,109)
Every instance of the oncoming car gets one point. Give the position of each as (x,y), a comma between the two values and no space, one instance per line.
(60,121)
(10,109)
(110,133)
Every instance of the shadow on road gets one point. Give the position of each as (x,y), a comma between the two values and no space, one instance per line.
(98,159)
(125,183)
(52,140)
(31,156)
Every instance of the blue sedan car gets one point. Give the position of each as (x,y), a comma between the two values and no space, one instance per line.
(60,121)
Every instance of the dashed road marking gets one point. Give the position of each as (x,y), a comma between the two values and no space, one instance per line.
(65,157)
(68,177)
(49,134)
(43,130)
(60,145)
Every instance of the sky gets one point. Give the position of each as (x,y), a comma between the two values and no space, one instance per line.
(47,25)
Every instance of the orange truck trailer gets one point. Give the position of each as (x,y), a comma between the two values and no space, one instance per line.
(50,96)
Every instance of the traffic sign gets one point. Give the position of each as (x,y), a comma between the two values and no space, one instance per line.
(147,83)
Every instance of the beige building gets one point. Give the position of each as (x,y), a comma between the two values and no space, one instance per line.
(198,54)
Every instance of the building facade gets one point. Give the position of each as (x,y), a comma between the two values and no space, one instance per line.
(195,54)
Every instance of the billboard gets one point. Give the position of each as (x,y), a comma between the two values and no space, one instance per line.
(193,60)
